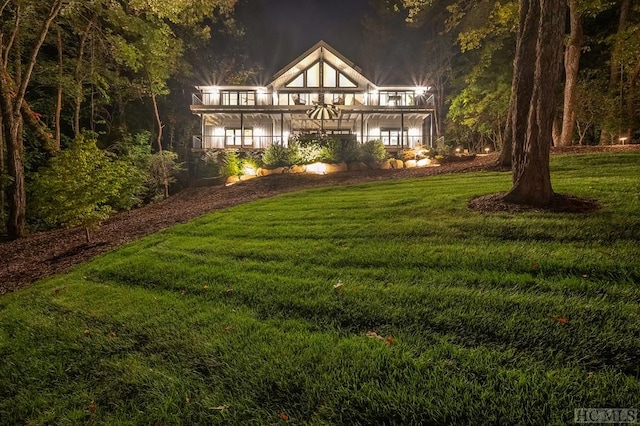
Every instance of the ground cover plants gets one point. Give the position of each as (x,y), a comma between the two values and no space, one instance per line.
(378,303)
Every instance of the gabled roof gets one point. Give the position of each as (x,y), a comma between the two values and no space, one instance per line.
(321,52)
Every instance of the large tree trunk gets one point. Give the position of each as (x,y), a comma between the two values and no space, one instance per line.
(15,166)
(12,93)
(504,161)
(541,24)
(2,172)
(521,84)
(571,67)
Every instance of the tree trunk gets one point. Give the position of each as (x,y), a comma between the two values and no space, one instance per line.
(57,122)
(79,79)
(504,161)
(522,83)
(632,102)
(2,172)
(541,25)
(571,67)
(12,93)
(615,73)
(557,131)
(15,166)
(165,174)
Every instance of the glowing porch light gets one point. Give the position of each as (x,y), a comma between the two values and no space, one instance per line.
(420,90)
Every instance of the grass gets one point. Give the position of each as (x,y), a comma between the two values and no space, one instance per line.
(384,303)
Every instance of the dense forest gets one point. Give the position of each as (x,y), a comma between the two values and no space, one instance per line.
(95,94)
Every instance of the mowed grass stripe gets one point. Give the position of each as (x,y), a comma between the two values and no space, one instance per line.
(384,303)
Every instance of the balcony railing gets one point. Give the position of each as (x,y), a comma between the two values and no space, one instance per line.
(262,142)
(380,99)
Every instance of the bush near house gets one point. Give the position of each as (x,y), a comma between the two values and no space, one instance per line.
(303,150)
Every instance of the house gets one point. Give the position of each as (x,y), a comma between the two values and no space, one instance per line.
(321,91)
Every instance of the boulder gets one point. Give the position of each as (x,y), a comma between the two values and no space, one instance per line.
(410,164)
(384,164)
(296,169)
(334,168)
(357,166)
(396,164)
(276,171)
(231,180)
(423,163)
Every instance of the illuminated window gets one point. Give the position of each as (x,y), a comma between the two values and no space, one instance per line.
(345,82)
(328,75)
(397,98)
(313,76)
(391,137)
(238,98)
(297,82)
(233,137)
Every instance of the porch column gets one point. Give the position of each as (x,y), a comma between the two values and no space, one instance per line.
(362,127)
(241,130)
(282,128)
(401,130)
(431,119)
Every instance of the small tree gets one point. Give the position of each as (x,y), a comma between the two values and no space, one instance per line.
(81,186)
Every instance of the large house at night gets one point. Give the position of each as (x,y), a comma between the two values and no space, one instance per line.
(321,91)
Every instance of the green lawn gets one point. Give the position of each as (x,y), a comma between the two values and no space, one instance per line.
(265,313)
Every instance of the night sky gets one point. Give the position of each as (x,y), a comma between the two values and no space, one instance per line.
(299,24)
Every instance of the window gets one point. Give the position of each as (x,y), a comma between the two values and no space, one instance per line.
(396,98)
(238,98)
(233,137)
(392,137)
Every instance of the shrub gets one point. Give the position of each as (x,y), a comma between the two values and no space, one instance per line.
(82,185)
(276,155)
(373,151)
(231,164)
(331,151)
(352,151)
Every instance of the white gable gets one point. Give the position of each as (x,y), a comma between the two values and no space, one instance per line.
(321,67)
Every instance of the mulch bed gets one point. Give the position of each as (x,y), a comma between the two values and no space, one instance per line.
(47,253)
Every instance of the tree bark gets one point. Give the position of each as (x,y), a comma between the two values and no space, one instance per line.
(2,172)
(12,92)
(504,161)
(634,75)
(79,79)
(522,83)
(541,25)
(165,174)
(571,67)
(57,122)
(615,73)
